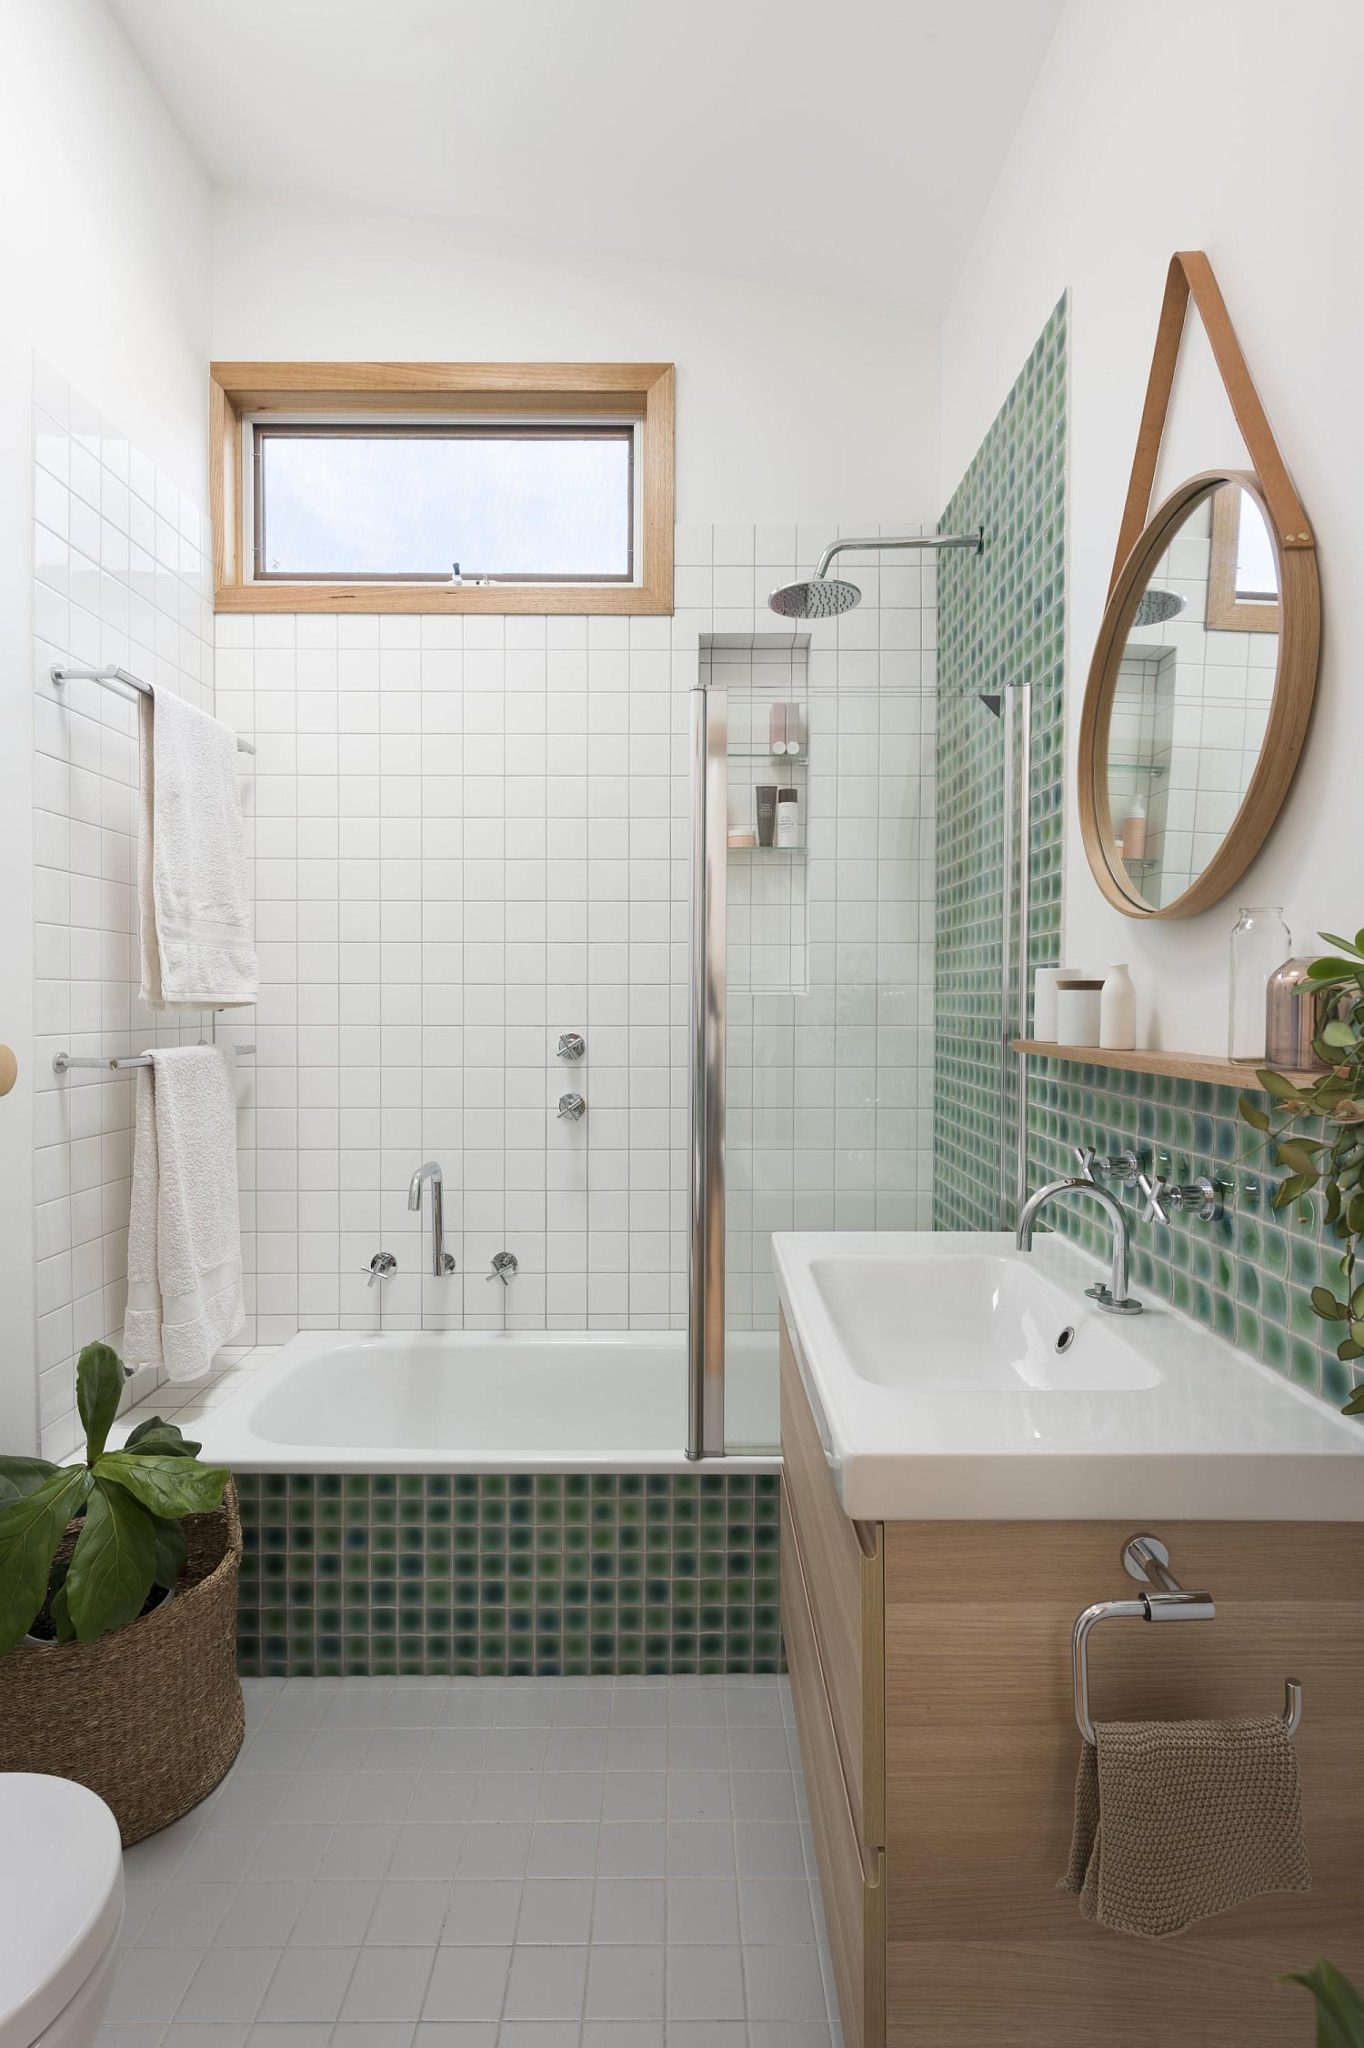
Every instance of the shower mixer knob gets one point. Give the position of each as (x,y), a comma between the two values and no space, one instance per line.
(572,1045)
(572,1107)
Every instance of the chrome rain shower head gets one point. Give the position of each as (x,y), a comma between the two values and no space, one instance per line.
(824,596)
(1156,606)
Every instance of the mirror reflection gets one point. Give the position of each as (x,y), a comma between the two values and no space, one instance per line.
(1191,702)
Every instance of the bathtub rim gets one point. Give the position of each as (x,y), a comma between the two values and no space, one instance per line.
(217,1411)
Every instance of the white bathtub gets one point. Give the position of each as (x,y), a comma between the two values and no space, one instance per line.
(465,1401)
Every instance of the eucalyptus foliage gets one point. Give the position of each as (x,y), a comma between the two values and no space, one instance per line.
(129,1504)
(1340,2010)
(1335,1163)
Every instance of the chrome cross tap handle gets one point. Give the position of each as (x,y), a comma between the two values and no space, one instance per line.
(1095,1166)
(572,1107)
(504,1268)
(572,1045)
(381,1267)
(1201,1197)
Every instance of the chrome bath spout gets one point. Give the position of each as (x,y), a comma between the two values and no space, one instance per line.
(442,1262)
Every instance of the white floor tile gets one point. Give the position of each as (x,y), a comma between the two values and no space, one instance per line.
(473,1864)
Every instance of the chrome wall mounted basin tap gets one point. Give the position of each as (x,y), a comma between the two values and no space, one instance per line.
(442,1262)
(504,1268)
(1114,1298)
(381,1267)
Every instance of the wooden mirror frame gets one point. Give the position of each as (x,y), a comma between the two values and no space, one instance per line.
(1141,543)
(1290,707)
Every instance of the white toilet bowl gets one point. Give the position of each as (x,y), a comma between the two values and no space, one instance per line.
(61,1908)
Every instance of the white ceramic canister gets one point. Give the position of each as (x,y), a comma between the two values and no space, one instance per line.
(1044,1000)
(1077,1010)
(1118,1011)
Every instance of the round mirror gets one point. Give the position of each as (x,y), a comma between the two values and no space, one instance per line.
(1197,701)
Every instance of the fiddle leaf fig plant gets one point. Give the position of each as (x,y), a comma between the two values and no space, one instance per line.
(129,1503)
(1340,2009)
(1334,1163)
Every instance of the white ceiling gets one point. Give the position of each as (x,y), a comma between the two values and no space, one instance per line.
(845,148)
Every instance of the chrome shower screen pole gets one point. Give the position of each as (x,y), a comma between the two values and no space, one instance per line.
(706,1165)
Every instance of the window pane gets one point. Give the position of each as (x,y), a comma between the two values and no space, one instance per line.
(376,502)
(1257,572)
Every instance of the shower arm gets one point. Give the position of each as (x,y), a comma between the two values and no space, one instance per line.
(975,541)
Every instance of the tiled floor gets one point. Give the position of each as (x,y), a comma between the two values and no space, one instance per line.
(530,1863)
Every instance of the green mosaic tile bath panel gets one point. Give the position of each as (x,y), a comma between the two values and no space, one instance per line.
(1248,1277)
(1001,623)
(508,1575)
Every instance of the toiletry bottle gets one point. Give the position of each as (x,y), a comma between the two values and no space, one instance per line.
(1044,1000)
(1118,1011)
(766,794)
(788,817)
(776,728)
(795,729)
(1134,829)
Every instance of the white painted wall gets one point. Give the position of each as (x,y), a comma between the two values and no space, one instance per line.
(788,402)
(1192,124)
(104,257)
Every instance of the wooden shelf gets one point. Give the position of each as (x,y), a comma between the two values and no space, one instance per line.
(1184,1066)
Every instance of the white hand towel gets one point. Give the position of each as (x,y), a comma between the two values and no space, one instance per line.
(184,1232)
(193,899)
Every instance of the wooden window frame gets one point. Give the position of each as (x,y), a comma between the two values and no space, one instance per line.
(1227,611)
(637,391)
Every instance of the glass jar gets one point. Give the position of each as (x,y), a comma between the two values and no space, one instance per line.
(1260,943)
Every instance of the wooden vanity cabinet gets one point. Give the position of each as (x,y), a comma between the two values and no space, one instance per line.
(930,1669)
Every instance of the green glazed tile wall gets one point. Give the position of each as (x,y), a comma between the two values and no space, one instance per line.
(1248,1277)
(508,1575)
(1001,622)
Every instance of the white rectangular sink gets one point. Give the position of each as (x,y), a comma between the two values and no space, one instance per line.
(952,1376)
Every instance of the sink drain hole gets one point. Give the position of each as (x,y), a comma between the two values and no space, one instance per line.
(1066,1338)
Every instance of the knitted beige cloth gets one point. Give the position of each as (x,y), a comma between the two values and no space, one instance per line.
(1175,1820)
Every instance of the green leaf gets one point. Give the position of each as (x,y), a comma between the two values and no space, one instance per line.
(1355,1404)
(1340,2009)
(30,1530)
(1297,1153)
(19,1476)
(171,1551)
(1357,1302)
(163,1438)
(1346,945)
(1332,969)
(168,1486)
(112,1566)
(1253,1114)
(1289,1190)
(1327,1307)
(1339,1035)
(1354,1215)
(1277,1085)
(99,1389)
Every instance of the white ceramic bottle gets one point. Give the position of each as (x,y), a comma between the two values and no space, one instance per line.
(1118,1011)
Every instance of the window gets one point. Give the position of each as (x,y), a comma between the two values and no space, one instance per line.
(442,487)
(1243,574)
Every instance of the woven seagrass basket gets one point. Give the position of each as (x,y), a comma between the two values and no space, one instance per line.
(151,1716)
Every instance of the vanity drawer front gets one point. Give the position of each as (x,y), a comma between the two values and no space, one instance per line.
(851,1878)
(844,1569)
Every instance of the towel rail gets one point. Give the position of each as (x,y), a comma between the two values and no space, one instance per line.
(62,1062)
(108,678)
(1146,1559)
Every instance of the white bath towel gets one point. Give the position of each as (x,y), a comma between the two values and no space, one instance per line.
(184,1232)
(194,902)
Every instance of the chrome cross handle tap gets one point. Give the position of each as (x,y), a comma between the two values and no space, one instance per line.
(572,1045)
(381,1267)
(1202,1197)
(573,1107)
(504,1268)
(1123,1166)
